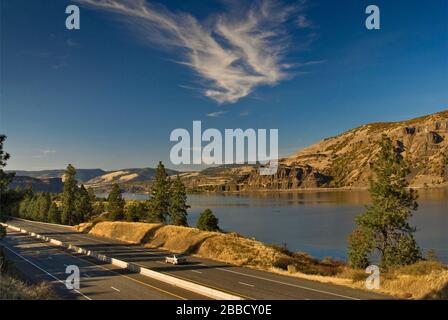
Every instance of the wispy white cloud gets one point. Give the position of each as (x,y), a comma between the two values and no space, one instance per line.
(244,113)
(310,63)
(233,55)
(216,114)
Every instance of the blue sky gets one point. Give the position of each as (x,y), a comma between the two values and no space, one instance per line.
(109,95)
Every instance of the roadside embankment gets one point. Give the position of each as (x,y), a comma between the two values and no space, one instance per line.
(423,280)
(12,287)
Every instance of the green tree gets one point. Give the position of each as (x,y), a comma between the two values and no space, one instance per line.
(5,178)
(54,214)
(92,195)
(98,208)
(384,228)
(115,204)
(25,204)
(207,221)
(83,204)
(178,203)
(160,199)
(68,214)
(43,206)
(136,211)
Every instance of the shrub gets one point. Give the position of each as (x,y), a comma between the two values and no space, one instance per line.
(207,221)
(421,268)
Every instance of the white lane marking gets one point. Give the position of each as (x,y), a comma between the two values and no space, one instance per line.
(196,271)
(113,288)
(160,262)
(87,275)
(288,284)
(246,284)
(147,285)
(46,272)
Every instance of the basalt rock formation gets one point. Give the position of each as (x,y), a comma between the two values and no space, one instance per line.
(344,160)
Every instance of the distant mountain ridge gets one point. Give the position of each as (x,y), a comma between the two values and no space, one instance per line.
(132,180)
(82,175)
(53,185)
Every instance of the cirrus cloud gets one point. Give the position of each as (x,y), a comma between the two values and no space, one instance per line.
(232,52)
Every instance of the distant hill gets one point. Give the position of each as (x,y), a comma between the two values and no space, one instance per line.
(82,175)
(344,160)
(53,185)
(130,180)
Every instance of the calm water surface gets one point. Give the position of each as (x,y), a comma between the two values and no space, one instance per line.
(315,222)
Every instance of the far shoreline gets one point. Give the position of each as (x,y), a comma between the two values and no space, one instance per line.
(296,191)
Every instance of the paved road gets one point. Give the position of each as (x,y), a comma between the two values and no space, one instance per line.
(40,261)
(244,282)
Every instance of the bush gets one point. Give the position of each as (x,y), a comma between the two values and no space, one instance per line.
(421,268)
(304,263)
(136,211)
(292,268)
(207,221)
(359,275)
(282,249)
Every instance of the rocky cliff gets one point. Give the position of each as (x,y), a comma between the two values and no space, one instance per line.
(345,160)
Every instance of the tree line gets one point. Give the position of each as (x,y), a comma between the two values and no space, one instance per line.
(167,202)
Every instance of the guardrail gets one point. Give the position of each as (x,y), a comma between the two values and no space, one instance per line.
(197,288)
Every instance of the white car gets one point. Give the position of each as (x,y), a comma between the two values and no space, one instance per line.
(175,260)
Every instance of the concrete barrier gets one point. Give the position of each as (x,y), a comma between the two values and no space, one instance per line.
(190,286)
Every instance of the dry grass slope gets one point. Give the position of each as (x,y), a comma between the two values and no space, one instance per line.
(12,288)
(229,248)
(424,280)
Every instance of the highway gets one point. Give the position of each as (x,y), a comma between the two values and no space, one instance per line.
(244,282)
(40,261)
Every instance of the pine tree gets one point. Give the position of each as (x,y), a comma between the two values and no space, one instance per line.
(136,211)
(69,215)
(54,214)
(160,196)
(98,208)
(115,204)
(384,228)
(5,178)
(207,221)
(43,206)
(92,195)
(178,203)
(83,204)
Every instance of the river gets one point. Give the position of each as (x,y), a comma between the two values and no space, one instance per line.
(315,222)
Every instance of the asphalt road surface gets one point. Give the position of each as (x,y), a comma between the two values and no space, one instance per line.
(243,282)
(40,261)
